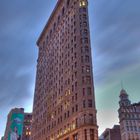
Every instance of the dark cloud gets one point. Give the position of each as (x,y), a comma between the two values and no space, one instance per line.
(116,36)
(20,25)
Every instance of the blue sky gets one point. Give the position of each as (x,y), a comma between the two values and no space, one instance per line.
(115,40)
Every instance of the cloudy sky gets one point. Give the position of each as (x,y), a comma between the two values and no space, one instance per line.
(115,38)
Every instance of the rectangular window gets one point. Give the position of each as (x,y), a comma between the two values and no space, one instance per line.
(76,85)
(82,59)
(85,134)
(87,59)
(89,103)
(85,31)
(75,64)
(72,109)
(76,122)
(91,118)
(82,69)
(83,91)
(83,79)
(84,104)
(76,108)
(72,99)
(88,79)
(91,134)
(75,96)
(88,90)
(63,11)
(68,2)
(75,55)
(72,88)
(76,74)
(74,38)
(65,115)
(68,113)
(86,49)
(88,69)
(84,118)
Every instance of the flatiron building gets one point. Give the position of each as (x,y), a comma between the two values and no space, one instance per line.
(64,101)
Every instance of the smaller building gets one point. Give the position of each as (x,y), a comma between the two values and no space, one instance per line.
(27,126)
(14,124)
(129,116)
(18,124)
(2,138)
(111,134)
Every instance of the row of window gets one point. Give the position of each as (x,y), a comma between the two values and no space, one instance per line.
(91,136)
(133,122)
(131,136)
(131,116)
(85,80)
(133,128)
(67,114)
(131,109)
(88,103)
(86,91)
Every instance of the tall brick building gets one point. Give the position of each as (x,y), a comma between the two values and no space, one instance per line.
(64,102)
